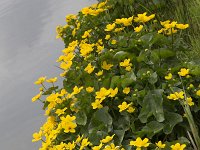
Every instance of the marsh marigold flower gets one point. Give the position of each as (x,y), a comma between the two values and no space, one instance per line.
(139,143)
(178,146)
(90,89)
(169,76)
(52,80)
(198,93)
(37,136)
(97,104)
(89,69)
(124,106)
(40,80)
(99,73)
(106,66)
(143,17)
(183,72)
(113,42)
(126,90)
(160,144)
(138,29)
(107,139)
(36,97)
(176,96)
(84,143)
(110,27)
(182,26)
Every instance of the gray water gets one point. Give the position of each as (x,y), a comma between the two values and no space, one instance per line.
(28,50)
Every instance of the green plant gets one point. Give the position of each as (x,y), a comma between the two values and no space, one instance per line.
(124,83)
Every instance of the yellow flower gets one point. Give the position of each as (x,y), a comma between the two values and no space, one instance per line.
(84,143)
(102,93)
(77,90)
(68,118)
(170,25)
(124,21)
(113,42)
(107,139)
(70,145)
(107,37)
(52,80)
(86,49)
(86,34)
(79,138)
(183,72)
(138,29)
(36,97)
(99,73)
(123,106)
(176,96)
(106,66)
(182,26)
(118,29)
(189,101)
(169,76)
(160,145)
(69,127)
(111,147)
(128,68)
(178,146)
(60,111)
(37,136)
(97,147)
(110,27)
(65,66)
(100,48)
(143,18)
(126,63)
(126,90)
(90,89)
(139,143)
(171,31)
(89,69)
(164,22)
(198,93)
(97,104)
(40,80)
(113,92)
(131,109)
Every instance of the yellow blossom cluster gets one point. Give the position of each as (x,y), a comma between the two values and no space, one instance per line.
(126,63)
(95,9)
(171,27)
(97,79)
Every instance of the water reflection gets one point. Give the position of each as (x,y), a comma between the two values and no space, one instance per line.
(28,49)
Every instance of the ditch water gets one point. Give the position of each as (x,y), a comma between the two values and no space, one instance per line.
(28,50)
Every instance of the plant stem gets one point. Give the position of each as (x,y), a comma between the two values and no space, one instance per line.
(190,119)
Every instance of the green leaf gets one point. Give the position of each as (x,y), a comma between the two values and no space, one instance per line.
(151,129)
(50,90)
(81,118)
(171,119)
(121,55)
(96,136)
(115,81)
(153,78)
(128,79)
(164,53)
(119,135)
(152,105)
(100,120)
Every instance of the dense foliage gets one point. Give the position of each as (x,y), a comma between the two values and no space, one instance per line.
(125,85)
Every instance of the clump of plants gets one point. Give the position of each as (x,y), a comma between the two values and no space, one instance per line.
(124,84)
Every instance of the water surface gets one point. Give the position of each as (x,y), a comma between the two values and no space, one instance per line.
(28,50)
